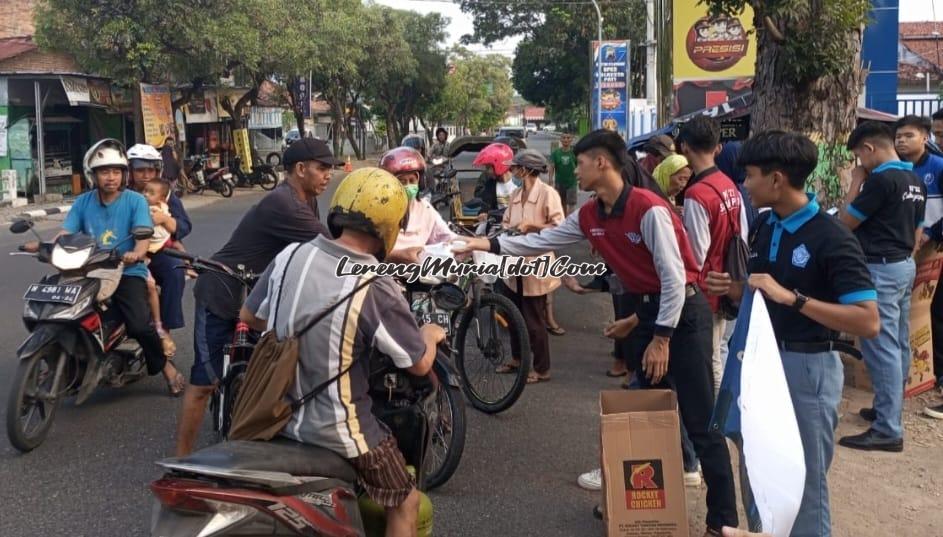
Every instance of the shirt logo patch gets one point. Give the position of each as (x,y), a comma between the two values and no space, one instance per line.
(597,232)
(928,179)
(801,256)
(634,237)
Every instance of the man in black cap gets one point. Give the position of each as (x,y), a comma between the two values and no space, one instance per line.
(286,215)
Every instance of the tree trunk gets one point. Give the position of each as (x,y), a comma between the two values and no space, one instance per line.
(297,107)
(339,127)
(824,109)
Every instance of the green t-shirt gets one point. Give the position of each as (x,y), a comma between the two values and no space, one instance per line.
(564,167)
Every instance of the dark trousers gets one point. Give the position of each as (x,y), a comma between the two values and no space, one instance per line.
(624,306)
(171,279)
(936,324)
(689,374)
(130,299)
(534,311)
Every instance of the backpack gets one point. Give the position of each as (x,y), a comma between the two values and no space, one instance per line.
(735,259)
(263,406)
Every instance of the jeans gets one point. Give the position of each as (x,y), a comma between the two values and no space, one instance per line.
(815,385)
(689,374)
(888,355)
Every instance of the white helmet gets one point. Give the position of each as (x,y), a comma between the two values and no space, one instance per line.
(107,152)
(145,156)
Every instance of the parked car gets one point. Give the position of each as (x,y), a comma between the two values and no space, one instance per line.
(293,136)
(515,132)
(531,128)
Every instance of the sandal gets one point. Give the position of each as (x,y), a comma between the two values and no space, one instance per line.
(617,374)
(507,369)
(556,330)
(534,378)
(176,385)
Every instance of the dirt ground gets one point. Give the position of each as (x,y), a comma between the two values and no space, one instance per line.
(877,494)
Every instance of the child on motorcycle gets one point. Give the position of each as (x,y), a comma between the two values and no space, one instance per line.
(156,192)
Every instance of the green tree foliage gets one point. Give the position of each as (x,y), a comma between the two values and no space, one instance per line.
(477,91)
(552,62)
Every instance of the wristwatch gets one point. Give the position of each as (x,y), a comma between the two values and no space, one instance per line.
(801,299)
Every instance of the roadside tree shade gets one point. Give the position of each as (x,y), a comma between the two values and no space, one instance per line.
(771,442)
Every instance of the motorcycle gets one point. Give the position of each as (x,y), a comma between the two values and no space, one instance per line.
(262,174)
(75,344)
(283,487)
(220,181)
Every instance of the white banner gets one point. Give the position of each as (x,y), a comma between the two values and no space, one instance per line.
(262,117)
(76,90)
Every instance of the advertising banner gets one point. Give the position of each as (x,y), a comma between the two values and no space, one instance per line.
(610,95)
(99,92)
(230,96)
(712,48)
(302,92)
(202,107)
(264,117)
(240,138)
(76,90)
(156,114)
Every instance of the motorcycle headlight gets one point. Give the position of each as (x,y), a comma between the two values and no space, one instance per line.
(64,260)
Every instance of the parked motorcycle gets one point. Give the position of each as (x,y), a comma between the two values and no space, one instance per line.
(75,344)
(283,487)
(262,174)
(220,181)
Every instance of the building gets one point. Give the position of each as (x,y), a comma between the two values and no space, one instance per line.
(46,96)
(920,67)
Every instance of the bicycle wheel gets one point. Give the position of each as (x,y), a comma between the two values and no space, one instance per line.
(448,437)
(483,344)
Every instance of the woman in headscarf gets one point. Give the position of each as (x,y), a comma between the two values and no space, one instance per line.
(672,175)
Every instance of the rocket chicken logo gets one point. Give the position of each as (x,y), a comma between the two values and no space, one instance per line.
(644,485)
(718,43)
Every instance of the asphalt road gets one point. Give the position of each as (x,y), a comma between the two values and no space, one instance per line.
(90,477)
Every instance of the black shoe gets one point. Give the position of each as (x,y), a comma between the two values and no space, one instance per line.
(872,440)
(597,512)
(869,414)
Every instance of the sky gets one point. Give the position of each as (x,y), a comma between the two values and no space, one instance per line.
(460,23)
(917,10)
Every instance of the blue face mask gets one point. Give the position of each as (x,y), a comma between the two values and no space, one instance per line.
(517,181)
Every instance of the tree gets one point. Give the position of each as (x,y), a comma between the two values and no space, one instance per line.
(552,61)
(477,92)
(808,72)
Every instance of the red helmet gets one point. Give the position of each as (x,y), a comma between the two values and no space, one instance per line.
(497,155)
(402,160)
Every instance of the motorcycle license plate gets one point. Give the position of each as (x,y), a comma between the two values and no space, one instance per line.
(66,294)
(439,318)
(227,176)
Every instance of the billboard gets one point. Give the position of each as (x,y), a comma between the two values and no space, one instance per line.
(610,95)
(156,114)
(711,48)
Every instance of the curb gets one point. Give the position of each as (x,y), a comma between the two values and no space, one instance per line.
(40,214)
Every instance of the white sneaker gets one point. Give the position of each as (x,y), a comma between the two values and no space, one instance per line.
(591,480)
(692,479)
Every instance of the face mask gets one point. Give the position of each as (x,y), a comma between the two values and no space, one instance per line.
(517,180)
(412,191)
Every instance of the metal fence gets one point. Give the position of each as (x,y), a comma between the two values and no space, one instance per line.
(918,107)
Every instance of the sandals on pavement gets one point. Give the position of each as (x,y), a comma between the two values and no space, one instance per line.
(534,378)
(556,330)
(617,374)
(507,369)
(176,385)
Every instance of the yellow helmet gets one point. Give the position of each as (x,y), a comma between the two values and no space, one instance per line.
(373,201)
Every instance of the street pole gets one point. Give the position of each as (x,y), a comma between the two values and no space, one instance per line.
(651,73)
(598,58)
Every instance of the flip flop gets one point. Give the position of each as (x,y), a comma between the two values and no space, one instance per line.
(556,330)
(507,369)
(614,374)
(534,378)
(176,386)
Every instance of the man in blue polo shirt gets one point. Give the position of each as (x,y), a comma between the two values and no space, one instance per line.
(109,213)
(812,272)
(885,208)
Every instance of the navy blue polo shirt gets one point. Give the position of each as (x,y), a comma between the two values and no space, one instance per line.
(890,206)
(814,253)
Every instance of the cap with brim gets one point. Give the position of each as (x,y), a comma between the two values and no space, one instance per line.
(660,144)
(308,149)
(530,159)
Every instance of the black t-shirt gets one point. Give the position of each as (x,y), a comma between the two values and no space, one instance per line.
(891,207)
(814,253)
(280,219)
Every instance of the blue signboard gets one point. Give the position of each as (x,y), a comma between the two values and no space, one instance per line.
(610,95)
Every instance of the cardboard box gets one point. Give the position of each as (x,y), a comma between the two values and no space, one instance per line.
(643,484)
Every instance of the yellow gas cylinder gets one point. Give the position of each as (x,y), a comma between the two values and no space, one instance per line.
(374,516)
